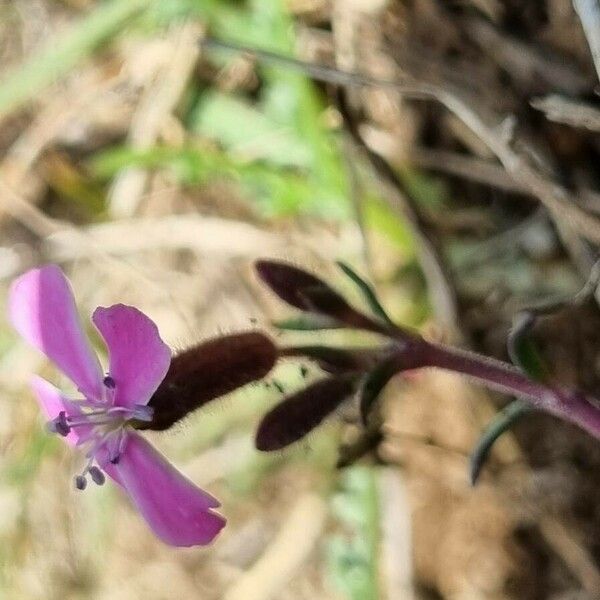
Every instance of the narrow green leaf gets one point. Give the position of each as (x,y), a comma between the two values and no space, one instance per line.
(523,351)
(503,421)
(354,552)
(306,323)
(373,385)
(367,291)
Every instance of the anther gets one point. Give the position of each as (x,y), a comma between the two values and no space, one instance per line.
(109,382)
(80,482)
(59,424)
(97,475)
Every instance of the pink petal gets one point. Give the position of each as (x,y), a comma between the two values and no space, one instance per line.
(42,309)
(52,402)
(177,511)
(139,359)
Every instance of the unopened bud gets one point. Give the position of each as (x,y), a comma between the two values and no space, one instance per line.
(80,482)
(300,413)
(207,371)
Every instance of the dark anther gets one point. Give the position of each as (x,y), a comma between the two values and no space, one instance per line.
(109,382)
(114,460)
(80,482)
(97,475)
(59,424)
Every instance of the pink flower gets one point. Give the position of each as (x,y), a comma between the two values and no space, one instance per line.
(42,309)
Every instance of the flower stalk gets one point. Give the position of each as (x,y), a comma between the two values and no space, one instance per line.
(570,405)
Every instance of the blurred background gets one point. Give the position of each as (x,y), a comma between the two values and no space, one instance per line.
(458,170)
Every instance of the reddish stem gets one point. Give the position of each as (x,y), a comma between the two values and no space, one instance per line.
(570,405)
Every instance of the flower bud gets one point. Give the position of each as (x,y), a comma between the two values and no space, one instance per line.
(207,371)
(300,413)
(308,293)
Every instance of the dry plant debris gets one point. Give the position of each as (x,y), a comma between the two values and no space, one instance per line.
(449,148)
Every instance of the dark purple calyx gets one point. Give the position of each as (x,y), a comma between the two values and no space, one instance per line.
(208,371)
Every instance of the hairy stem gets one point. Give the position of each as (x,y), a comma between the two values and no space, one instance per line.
(568,404)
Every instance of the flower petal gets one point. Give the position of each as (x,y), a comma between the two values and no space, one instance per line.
(52,402)
(139,359)
(177,511)
(42,309)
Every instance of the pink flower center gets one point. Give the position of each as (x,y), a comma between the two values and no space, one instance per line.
(101,428)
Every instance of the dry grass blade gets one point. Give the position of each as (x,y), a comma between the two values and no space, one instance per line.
(489,129)
(157,104)
(396,534)
(564,542)
(205,235)
(567,111)
(287,553)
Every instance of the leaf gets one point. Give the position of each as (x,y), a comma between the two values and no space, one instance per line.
(503,421)
(373,385)
(293,101)
(367,291)
(275,190)
(379,216)
(307,323)
(218,116)
(332,360)
(354,551)
(522,350)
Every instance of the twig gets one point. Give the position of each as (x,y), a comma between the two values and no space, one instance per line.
(46,227)
(525,62)
(16,166)
(468,167)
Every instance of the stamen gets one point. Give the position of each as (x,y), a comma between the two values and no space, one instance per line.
(95,420)
(115,455)
(59,424)
(99,441)
(104,430)
(80,482)
(109,382)
(97,475)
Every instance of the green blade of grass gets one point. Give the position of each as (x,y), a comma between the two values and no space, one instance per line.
(60,56)
(353,555)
